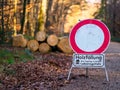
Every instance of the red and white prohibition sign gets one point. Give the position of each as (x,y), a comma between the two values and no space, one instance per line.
(89,36)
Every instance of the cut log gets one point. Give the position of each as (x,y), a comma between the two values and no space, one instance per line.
(19,41)
(24,43)
(40,36)
(44,48)
(33,45)
(64,46)
(52,40)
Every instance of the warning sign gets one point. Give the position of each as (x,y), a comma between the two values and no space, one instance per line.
(91,61)
(89,39)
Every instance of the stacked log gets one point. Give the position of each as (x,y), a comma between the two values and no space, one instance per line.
(40,36)
(19,41)
(52,40)
(64,46)
(44,43)
(44,48)
(33,45)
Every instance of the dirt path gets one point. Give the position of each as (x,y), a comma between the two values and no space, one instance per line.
(114,47)
(97,79)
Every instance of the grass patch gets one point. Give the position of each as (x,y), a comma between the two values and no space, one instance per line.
(11,57)
(24,55)
(6,57)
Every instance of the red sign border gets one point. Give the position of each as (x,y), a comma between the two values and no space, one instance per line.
(90,21)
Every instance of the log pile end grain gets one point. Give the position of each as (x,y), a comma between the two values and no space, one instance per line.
(19,41)
(24,44)
(52,40)
(64,46)
(44,48)
(40,36)
(33,45)
(47,44)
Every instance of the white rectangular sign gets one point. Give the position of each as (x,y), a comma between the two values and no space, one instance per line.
(89,60)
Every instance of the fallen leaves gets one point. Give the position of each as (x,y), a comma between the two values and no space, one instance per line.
(48,73)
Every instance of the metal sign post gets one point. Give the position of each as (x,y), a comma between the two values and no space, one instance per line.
(89,39)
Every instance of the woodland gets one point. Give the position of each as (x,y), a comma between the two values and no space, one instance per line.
(34,44)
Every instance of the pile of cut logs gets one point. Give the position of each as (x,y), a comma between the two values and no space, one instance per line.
(43,43)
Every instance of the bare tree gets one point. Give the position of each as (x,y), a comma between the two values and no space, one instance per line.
(15,11)
(113,16)
(23,16)
(2,21)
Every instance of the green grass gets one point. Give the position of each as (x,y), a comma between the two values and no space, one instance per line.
(6,57)
(11,57)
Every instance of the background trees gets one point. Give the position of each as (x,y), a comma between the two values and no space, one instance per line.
(113,16)
(29,16)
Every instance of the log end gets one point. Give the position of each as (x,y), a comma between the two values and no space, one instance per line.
(44,48)
(33,45)
(40,36)
(64,46)
(19,41)
(52,40)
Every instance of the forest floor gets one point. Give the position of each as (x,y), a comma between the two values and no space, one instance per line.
(50,71)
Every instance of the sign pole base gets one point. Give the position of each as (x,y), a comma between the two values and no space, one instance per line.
(86,72)
(106,73)
(69,73)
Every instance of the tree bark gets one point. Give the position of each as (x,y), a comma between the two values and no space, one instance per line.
(15,21)
(48,12)
(23,16)
(2,22)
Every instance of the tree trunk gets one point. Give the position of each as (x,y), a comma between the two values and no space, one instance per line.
(48,12)
(2,22)
(23,16)
(114,17)
(15,21)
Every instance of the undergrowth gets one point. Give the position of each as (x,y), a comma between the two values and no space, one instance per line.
(8,57)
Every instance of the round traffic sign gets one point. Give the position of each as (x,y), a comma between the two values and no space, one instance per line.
(89,36)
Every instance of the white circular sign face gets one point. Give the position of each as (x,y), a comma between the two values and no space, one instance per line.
(89,37)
